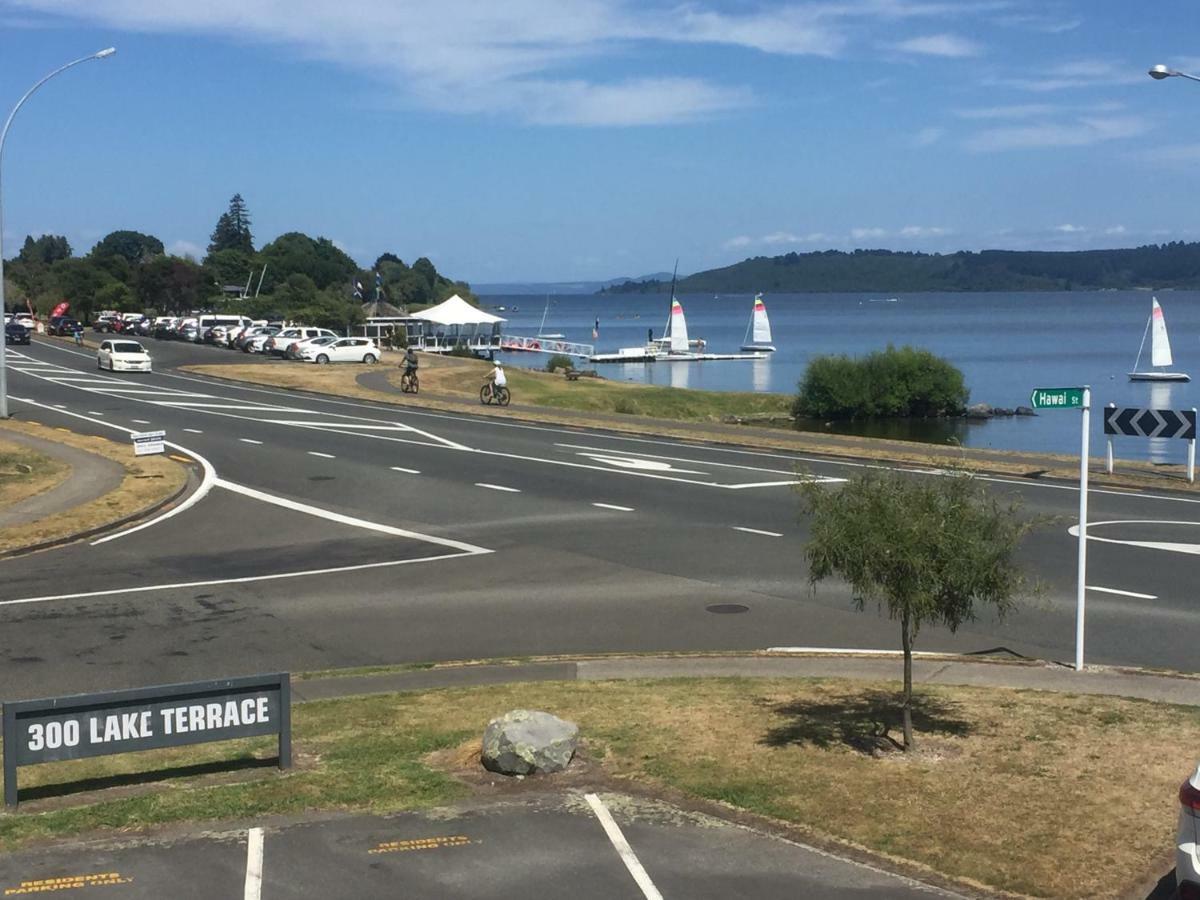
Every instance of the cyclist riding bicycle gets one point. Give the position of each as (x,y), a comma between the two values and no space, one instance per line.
(496,376)
(410,361)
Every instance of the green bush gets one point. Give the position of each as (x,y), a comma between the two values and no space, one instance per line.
(559,361)
(904,382)
(463,350)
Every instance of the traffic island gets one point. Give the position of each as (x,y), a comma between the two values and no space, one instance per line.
(78,485)
(986,800)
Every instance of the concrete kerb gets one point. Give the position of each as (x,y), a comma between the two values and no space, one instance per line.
(880,665)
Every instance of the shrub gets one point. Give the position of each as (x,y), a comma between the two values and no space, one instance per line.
(462,350)
(559,361)
(904,382)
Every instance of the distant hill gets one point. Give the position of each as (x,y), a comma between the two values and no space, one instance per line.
(1174,265)
(563,287)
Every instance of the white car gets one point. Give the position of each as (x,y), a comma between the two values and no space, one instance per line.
(295,350)
(1187,841)
(349,349)
(122,356)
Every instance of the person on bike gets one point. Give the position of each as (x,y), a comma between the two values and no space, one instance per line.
(410,361)
(496,376)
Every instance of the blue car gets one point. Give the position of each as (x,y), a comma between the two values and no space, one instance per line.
(15,333)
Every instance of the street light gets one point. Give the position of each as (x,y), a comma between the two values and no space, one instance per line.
(1159,72)
(4,134)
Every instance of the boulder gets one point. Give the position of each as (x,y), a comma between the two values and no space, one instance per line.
(979,411)
(1025,411)
(1001,411)
(526,741)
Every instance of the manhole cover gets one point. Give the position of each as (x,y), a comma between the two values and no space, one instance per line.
(727,608)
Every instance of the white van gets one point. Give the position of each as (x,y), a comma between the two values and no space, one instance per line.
(213,320)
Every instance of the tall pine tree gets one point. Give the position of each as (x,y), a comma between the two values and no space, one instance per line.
(233,229)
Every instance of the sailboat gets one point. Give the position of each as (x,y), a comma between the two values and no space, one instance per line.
(1160,350)
(758,331)
(541,328)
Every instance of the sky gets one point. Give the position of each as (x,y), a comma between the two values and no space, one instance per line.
(554,140)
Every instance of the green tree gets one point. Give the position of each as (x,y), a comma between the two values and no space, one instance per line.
(170,284)
(132,246)
(333,309)
(928,550)
(78,281)
(295,253)
(46,250)
(233,229)
(230,267)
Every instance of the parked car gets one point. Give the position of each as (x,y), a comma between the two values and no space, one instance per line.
(122,355)
(1187,841)
(16,333)
(295,350)
(63,326)
(257,343)
(277,345)
(349,349)
(106,322)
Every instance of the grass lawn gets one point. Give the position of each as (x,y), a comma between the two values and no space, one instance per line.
(26,473)
(995,793)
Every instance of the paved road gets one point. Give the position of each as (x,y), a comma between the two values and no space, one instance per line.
(551,846)
(346,533)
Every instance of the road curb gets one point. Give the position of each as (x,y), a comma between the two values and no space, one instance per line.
(107,526)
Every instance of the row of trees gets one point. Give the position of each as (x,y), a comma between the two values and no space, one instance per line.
(294,276)
(1175,264)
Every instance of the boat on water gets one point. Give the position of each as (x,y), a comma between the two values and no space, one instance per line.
(1160,350)
(758,331)
(542,333)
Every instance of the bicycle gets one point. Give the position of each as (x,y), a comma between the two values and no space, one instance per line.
(409,383)
(497,394)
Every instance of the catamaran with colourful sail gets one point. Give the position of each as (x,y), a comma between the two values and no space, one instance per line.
(1160,350)
(758,331)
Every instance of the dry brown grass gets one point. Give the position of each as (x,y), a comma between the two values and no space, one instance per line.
(1043,794)
(26,473)
(148,481)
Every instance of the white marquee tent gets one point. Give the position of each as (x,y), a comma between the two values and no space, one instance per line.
(456,311)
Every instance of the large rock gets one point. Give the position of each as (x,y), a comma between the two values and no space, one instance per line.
(979,411)
(526,741)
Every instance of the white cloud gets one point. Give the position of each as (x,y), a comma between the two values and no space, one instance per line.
(948,45)
(736,243)
(186,248)
(1116,229)
(926,137)
(1080,73)
(1069,229)
(779,238)
(859,234)
(922,231)
(1044,23)
(1081,132)
(1018,111)
(1172,154)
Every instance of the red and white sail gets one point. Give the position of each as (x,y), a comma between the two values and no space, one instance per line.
(678,327)
(1160,344)
(760,326)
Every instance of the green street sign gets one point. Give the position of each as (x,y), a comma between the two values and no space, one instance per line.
(1057,398)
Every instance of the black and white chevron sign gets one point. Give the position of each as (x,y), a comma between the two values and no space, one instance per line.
(1151,423)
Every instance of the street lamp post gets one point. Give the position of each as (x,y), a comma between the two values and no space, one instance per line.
(4,134)
(1159,72)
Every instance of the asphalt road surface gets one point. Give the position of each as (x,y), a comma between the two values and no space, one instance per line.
(345,533)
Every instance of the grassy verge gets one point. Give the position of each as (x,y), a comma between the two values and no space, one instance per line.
(148,480)
(26,473)
(992,796)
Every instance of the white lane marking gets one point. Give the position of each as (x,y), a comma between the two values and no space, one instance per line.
(193,431)
(248,579)
(206,482)
(649,891)
(756,531)
(249,441)
(60,406)
(497,487)
(1134,594)
(1170,546)
(254,864)
(320,513)
(322,455)
(614,506)
(694,462)
(139,421)
(406,471)
(820,479)
(645,465)
(92,412)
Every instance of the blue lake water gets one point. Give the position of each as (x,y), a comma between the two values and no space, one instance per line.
(1006,344)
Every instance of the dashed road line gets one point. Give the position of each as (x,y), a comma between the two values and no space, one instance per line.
(1134,594)
(614,506)
(92,412)
(249,441)
(756,531)
(406,471)
(139,421)
(193,431)
(497,487)
(322,455)
(649,891)
(254,864)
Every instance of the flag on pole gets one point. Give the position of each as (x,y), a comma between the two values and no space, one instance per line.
(358,290)
(378,285)
(596,329)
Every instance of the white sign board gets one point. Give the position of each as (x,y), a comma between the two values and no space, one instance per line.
(146,442)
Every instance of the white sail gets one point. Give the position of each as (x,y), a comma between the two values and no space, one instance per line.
(678,327)
(762,325)
(1160,344)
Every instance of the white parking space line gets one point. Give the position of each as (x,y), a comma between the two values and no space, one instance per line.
(193,431)
(249,441)
(497,487)
(758,484)
(756,531)
(613,506)
(254,864)
(139,421)
(92,412)
(322,455)
(406,471)
(649,891)
(1134,594)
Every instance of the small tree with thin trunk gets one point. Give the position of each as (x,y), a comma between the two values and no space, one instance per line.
(926,549)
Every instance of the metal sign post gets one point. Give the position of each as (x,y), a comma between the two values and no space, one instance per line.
(1074,398)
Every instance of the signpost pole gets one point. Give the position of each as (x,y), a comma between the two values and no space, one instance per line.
(1081,577)
(1109,460)
(1192,455)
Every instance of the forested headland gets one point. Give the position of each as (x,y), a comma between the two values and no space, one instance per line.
(294,276)
(1158,266)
